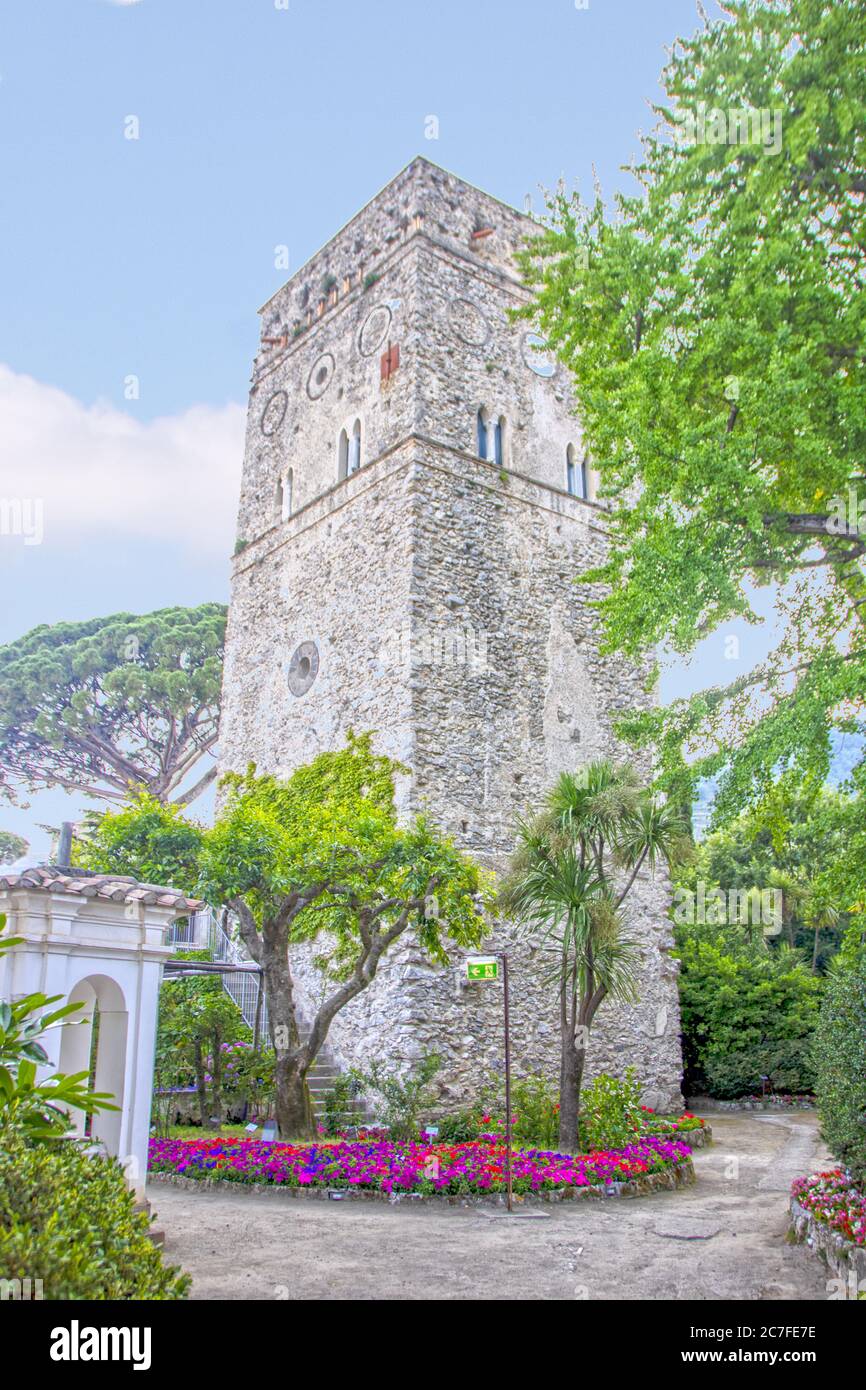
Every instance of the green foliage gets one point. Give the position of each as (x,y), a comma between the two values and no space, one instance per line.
(398,1101)
(330,834)
(113,703)
(745,1014)
(534,1111)
(341,1103)
(461,1127)
(69,1220)
(796,841)
(146,840)
(610,1111)
(196,1016)
(12,847)
(714,326)
(38,1108)
(840,1057)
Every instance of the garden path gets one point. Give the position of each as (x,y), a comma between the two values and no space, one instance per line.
(722,1238)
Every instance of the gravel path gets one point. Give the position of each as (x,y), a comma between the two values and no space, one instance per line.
(722,1238)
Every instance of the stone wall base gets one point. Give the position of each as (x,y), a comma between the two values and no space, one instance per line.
(846,1260)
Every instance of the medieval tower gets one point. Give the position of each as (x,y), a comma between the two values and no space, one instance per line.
(415,505)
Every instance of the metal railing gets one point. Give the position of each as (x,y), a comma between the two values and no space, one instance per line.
(211,931)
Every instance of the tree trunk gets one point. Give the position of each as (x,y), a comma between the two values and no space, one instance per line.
(294,1107)
(200,1085)
(216,1072)
(569,1097)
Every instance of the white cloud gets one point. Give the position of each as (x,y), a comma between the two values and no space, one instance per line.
(97,469)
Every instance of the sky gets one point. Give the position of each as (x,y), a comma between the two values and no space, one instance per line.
(153,155)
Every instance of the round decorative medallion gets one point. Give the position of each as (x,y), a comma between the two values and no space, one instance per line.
(534,356)
(321,376)
(468,322)
(374,330)
(303,668)
(274,412)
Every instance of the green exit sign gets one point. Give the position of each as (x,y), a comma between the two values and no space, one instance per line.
(482,968)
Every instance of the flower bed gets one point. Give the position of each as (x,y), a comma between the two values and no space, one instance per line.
(828,1213)
(667,1126)
(428,1169)
(832,1200)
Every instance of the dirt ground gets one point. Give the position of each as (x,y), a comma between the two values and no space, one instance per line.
(722,1238)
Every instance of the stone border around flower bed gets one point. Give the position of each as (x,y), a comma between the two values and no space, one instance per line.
(668,1179)
(709,1104)
(696,1138)
(840,1255)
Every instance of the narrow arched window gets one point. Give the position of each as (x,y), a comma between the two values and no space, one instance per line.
(286,498)
(499,442)
(355,448)
(575,474)
(343,456)
(482,433)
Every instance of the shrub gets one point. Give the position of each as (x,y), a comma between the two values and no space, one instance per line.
(746,1013)
(610,1112)
(459,1128)
(534,1111)
(69,1220)
(786,1067)
(341,1103)
(397,1101)
(840,1058)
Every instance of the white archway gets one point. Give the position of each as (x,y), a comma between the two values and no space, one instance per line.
(101,941)
(102,997)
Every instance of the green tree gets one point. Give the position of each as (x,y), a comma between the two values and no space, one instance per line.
(746,1013)
(792,843)
(321,857)
(574,866)
(12,847)
(715,325)
(196,1016)
(103,706)
(147,840)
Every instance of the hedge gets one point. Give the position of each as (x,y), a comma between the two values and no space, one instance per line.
(839,1053)
(69,1220)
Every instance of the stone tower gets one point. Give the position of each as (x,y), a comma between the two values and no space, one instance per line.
(414,508)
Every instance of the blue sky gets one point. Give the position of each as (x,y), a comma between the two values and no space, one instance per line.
(147,258)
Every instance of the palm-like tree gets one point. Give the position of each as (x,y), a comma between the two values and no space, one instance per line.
(821,913)
(573,867)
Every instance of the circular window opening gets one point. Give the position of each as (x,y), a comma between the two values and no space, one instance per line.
(303,668)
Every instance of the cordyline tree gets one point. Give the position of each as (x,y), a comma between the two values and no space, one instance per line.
(572,870)
(320,857)
(715,327)
(103,706)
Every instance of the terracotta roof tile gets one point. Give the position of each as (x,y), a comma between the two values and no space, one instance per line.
(113,887)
